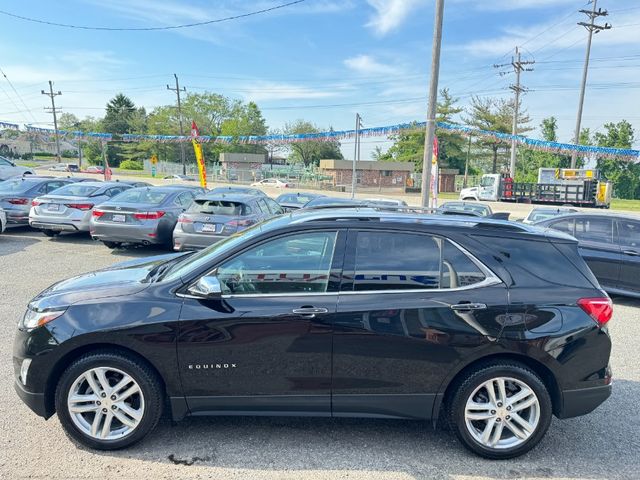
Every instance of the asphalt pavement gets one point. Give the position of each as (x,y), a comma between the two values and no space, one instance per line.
(603,444)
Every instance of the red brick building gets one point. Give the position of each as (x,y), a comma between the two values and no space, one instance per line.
(368,173)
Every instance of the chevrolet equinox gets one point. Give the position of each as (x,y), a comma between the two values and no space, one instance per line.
(493,326)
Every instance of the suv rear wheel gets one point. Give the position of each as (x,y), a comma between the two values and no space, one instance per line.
(500,410)
(106,400)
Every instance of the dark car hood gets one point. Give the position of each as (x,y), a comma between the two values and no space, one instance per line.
(124,278)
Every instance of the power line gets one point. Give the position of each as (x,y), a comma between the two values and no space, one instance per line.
(147,29)
(17,94)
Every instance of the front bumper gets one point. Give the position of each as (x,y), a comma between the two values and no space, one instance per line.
(35,401)
(583,401)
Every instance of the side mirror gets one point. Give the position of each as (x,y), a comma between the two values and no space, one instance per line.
(206,287)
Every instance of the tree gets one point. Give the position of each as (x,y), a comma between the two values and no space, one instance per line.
(409,144)
(310,152)
(120,115)
(624,174)
(495,115)
(68,121)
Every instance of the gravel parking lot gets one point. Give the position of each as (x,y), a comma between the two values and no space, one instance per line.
(604,444)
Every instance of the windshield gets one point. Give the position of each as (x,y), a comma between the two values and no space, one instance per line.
(487,181)
(295,199)
(203,257)
(16,185)
(465,207)
(142,195)
(75,190)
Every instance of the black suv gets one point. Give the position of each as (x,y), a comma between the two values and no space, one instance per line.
(610,244)
(344,313)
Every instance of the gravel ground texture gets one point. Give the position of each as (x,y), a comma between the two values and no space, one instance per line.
(603,444)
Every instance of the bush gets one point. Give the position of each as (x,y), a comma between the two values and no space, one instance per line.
(69,154)
(131,165)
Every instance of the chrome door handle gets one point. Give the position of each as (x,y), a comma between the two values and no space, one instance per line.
(632,253)
(468,306)
(309,312)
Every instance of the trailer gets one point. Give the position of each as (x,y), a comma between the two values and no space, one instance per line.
(555,186)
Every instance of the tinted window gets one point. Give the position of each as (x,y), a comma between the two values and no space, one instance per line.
(598,230)
(273,206)
(184,199)
(263,206)
(405,261)
(51,186)
(565,226)
(76,190)
(298,199)
(5,163)
(218,207)
(142,195)
(292,264)
(629,233)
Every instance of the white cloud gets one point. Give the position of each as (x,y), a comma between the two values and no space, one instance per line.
(390,14)
(366,64)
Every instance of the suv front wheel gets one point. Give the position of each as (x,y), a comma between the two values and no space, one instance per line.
(106,400)
(500,410)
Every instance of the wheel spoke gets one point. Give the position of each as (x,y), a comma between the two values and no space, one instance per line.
(492,392)
(524,404)
(502,391)
(521,395)
(479,415)
(486,433)
(119,414)
(130,391)
(126,380)
(106,426)
(135,414)
(515,429)
(91,380)
(102,379)
(95,425)
(497,433)
(84,408)
(526,426)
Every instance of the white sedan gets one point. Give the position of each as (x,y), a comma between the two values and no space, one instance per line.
(271,182)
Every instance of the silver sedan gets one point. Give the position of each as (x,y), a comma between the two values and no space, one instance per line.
(68,209)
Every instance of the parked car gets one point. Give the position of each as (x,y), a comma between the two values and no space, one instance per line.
(145,215)
(16,195)
(501,325)
(68,209)
(214,217)
(3,220)
(134,183)
(383,202)
(65,167)
(294,201)
(465,208)
(609,243)
(196,189)
(99,169)
(272,182)
(470,193)
(539,214)
(332,202)
(9,169)
(238,189)
(184,178)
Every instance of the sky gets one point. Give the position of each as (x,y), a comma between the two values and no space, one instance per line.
(321,60)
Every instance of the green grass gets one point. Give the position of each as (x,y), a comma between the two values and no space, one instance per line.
(629,205)
(448,196)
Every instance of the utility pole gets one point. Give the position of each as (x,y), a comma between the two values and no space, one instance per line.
(182,154)
(356,154)
(466,164)
(55,118)
(431,107)
(518,67)
(591,28)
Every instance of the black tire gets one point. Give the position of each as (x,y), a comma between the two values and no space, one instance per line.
(465,386)
(147,380)
(111,245)
(51,233)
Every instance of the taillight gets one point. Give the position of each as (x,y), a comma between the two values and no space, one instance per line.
(79,206)
(240,223)
(98,213)
(35,203)
(182,219)
(18,201)
(600,309)
(148,215)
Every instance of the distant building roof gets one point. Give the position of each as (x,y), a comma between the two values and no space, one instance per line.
(242,157)
(365,165)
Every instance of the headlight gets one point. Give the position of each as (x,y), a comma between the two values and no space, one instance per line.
(36,318)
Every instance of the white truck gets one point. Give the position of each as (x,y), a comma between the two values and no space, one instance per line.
(555,186)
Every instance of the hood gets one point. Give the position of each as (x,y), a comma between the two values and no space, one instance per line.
(125,278)
(469,190)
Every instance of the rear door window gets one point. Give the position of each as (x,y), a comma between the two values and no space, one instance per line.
(629,233)
(594,229)
(407,261)
(218,207)
(274,208)
(184,199)
(565,226)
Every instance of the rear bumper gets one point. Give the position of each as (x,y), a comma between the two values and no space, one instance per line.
(126,233)
(60,224)
(16,216)
(193,241)
(58,227)
(583,401)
